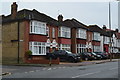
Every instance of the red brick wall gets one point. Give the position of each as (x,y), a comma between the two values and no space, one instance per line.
(26,37)
(73,40)
(41,60)
(64,41)
(39,38)
(80,41)
(89,36)
(95,43)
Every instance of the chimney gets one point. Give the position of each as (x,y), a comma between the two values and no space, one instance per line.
(14,10)
(104,27)
(60,18)
(116,30)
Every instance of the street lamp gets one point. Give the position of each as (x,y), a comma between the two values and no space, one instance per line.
(110,32)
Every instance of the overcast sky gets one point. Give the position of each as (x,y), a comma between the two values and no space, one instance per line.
(89,13)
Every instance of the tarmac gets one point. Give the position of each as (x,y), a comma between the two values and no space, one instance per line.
(83,63)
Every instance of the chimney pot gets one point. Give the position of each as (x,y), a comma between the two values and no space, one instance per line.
(60,18)
(14,10)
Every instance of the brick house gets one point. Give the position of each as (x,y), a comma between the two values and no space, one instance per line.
(96,31)
(28,30)
(78,36)
(64,36)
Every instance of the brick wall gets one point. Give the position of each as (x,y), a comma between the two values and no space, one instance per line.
(10,49)
(73,40)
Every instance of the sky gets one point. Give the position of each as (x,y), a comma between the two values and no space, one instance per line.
(92,12)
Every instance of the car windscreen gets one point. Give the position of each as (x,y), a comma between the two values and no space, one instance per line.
(69,52)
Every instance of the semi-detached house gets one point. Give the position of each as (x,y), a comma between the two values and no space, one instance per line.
(28,30)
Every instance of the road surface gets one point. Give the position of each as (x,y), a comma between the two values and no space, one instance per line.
(104,70)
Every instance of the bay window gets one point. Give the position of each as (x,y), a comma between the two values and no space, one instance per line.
(37,27)
(65,47)
(96,36)
(65,32)
(81,33)
(53,32)
(96,48)
(37,48)
(81,48)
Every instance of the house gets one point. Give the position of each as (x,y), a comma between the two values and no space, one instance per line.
(64,35)
(78,36)
(96,31)
(26,30)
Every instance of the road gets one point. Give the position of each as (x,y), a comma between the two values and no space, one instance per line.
(104,70)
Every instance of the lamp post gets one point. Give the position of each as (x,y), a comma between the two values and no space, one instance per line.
(110,32)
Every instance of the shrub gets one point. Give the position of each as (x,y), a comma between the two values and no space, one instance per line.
(29,52)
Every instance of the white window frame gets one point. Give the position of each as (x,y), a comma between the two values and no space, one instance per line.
(36,47)
(81,48)
(96,48)
(65,47)
(37,27)
(47,31)
(96,36)
(65,32)
(81,33)
(53,32)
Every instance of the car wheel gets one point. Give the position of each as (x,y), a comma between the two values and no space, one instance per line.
(86,59)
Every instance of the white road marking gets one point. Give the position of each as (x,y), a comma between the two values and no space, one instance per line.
(63,67)
(49,68)
(60,67)
(85,74)
(26,72)
(54,68)
(113,68)
(44,68)
(31,71)
(37,70)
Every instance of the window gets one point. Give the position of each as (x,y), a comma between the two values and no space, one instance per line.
(37,48)
(65,47)
(81,33)
(64,32)
(53,32)
(96,36)
(47,31)
(96,48)
(81,48)
(37,27)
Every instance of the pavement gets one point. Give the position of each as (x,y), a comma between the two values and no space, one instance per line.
(83,63)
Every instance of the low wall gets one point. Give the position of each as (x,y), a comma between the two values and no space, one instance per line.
(41,60)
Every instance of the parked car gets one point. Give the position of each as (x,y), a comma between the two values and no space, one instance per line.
(86,56)
(65,55)
(96,56)
(104,56)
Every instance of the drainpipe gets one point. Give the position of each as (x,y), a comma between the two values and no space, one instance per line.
(18,61)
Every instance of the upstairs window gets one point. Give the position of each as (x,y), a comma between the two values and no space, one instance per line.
(38,27)
(53,32)
(96,36)
(81,33)
(65,32)
(47,31)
